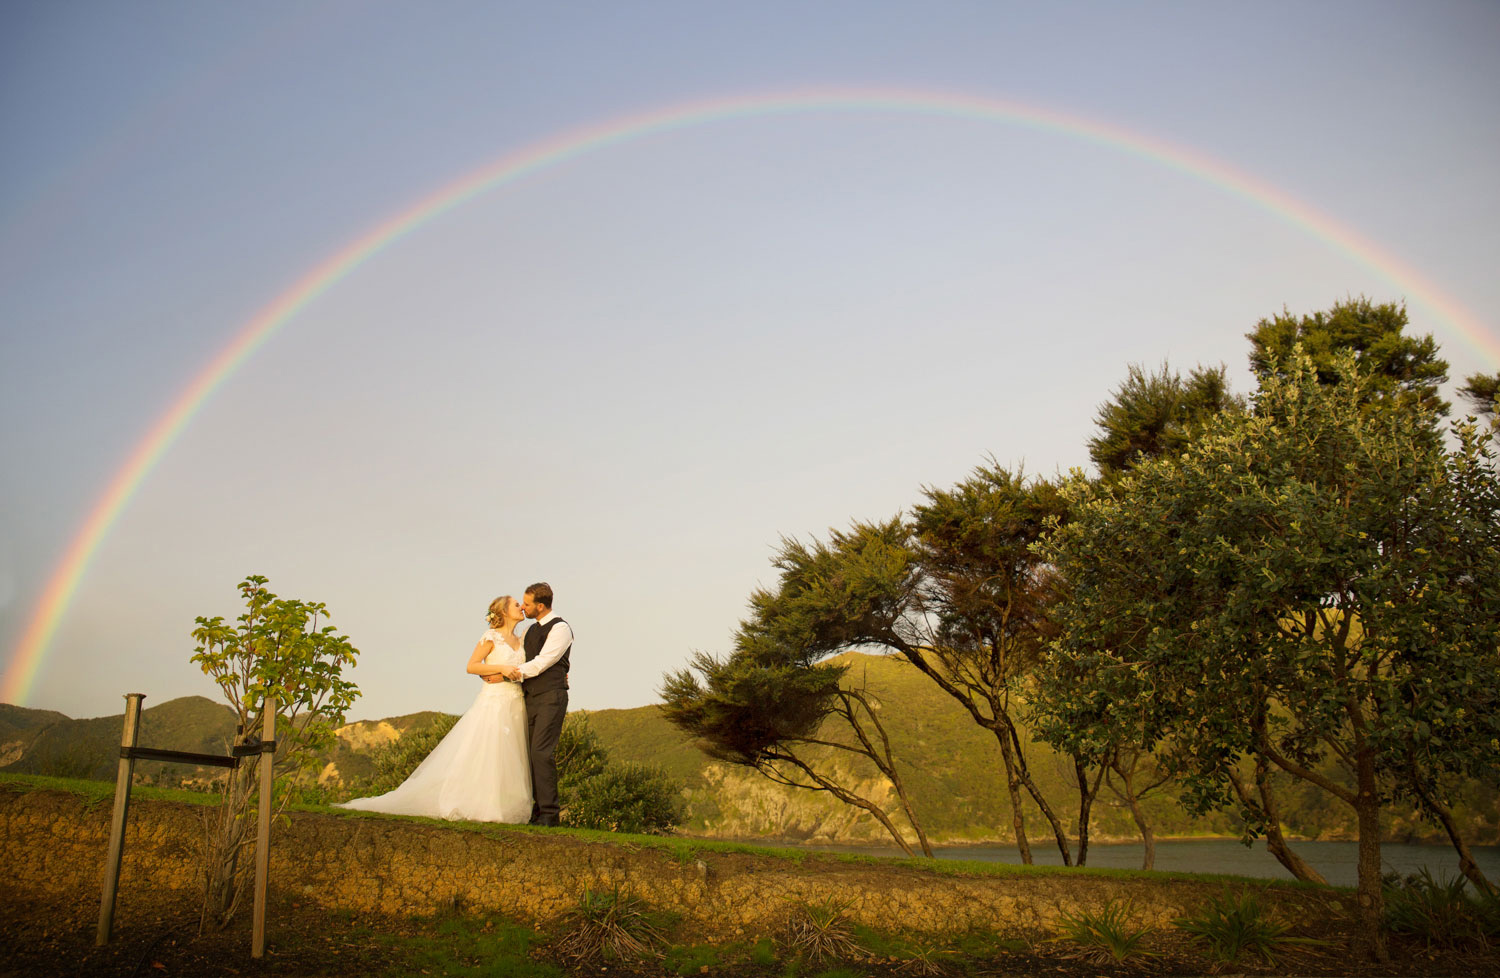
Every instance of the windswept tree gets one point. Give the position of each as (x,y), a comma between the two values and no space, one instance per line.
(774,704)
(1311,584)
(1395,365)
(1154,414)
(1482,391)
(979,622)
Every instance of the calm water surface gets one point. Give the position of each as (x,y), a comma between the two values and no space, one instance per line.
(1337,861)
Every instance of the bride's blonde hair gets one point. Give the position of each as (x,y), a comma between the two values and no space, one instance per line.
(496,616)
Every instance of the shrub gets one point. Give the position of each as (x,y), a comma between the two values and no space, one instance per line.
(1440,911)
(820,932)
(611,924)
(1231,927)
(1105,935)
(624,797)
(599,793)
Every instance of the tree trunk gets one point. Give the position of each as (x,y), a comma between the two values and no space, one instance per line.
(1269,813)
(1086,796)
(1013,784)
(1466,864)
(1148,838)
(1036,794)
(1371,900)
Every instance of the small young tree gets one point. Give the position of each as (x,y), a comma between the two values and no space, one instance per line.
(277,649)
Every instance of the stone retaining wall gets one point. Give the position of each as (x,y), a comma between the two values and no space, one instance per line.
(54,842)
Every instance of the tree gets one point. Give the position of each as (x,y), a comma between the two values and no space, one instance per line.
(1312,582)
(1396,365)
(1483,393)
(1151,415)
(773,704)
(979,621)
(276,649)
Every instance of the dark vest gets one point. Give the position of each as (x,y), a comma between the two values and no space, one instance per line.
(556,676)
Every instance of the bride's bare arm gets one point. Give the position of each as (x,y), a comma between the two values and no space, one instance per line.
(477,665)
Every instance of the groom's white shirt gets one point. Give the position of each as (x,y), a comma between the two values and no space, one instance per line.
(558,641)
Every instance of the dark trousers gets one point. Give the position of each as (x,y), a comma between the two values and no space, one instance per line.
(544,721)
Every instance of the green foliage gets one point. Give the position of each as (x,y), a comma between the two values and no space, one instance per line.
(613,796)
(611,925)
(1483,393)
(1398,367)
(278,650)
(1440,911)
(1157,414)
(1235,926)
(624,797)
(1313,582)
(1106,935)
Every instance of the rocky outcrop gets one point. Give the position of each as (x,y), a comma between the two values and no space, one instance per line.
(54,842)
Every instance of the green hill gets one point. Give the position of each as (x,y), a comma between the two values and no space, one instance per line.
(91,748)
(19,728)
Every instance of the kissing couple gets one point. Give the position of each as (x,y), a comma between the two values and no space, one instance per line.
(499,762)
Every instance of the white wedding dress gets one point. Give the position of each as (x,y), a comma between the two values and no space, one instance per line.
(479,772)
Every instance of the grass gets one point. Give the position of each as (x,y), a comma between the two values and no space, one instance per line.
(466,947)
(1105,936)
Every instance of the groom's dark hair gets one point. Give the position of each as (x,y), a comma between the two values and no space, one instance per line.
(541,593)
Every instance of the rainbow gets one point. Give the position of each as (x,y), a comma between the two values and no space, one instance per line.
(569,144)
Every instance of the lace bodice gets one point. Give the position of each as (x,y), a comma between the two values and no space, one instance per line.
(502,654)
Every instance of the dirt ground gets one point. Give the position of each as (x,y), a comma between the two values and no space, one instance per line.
(53,938)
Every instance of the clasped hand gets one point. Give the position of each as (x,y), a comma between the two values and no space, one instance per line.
(512,673)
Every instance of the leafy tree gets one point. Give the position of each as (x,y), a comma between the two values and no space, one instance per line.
(1314,582)
(1398,366)
(276,649)
(1150,415)
(773,704)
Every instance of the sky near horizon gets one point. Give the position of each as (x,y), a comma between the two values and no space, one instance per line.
(633,368)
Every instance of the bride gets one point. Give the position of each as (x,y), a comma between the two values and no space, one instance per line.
(479,772)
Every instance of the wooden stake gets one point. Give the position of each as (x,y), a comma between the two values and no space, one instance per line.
(263,831)
(117,823)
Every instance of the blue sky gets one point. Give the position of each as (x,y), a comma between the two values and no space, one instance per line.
(632,372)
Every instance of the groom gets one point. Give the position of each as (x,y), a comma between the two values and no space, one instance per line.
(544,681)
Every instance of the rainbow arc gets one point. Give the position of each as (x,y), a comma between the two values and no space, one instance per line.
(35,641)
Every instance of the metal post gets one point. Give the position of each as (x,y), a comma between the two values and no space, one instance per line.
(263,831)
(117,823)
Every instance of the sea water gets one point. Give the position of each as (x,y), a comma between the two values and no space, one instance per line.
(1337,861)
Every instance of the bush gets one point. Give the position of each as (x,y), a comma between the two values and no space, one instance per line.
(614,796)
(1234,927)
(624,797)
(1106,935)
(1440,911)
